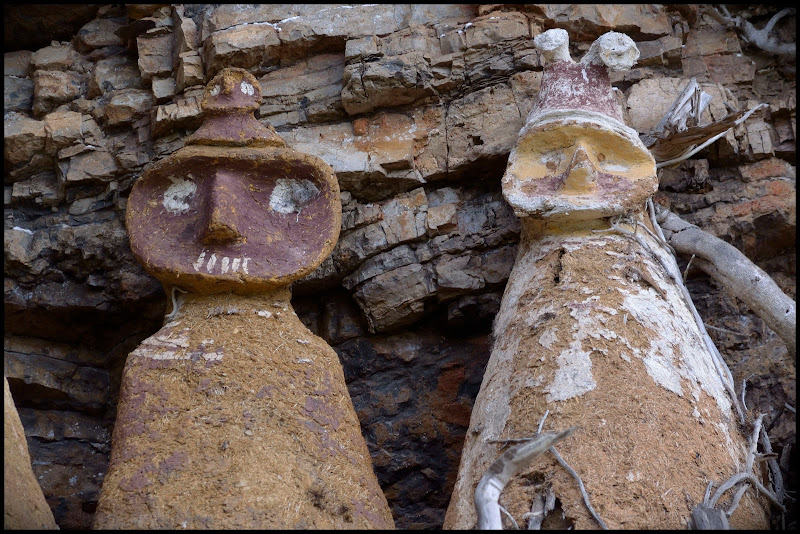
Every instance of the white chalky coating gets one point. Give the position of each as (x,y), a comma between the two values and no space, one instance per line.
(176,196)
(289,196)
(573,377)
(553,44)
(615,50)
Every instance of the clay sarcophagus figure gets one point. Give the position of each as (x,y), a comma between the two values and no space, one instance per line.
(234,415)
(594,331)
(24,505)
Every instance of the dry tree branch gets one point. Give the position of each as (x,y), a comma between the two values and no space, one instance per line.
(679,134)
(700,132)
(726,331)
(706,516)
(488,490)
(574,474)
(738,477)
(581,487)
(737,273)
(689,105)
(775,469)
(759,38)
(176,304)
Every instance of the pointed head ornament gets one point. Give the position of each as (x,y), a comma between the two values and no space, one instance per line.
(575,157)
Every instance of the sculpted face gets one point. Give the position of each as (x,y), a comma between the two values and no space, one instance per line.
(236,210)
(234,219)
(578,165)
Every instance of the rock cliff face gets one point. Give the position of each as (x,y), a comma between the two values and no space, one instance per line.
(416,108)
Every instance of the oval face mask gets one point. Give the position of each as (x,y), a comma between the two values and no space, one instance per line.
(579,165)
(246,223)
(575,158)
(236,210)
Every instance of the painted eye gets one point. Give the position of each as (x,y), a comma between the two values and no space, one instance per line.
(178,195)
(290,196)
(552,160)
(601,156)
(247,88)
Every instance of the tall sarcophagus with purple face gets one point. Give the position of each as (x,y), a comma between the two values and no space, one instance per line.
(594,331)
(234,415)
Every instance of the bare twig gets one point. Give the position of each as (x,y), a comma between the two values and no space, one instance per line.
(736,498)
(747,476)
(751,455)
(695,149)
(751,451)
(685,107)
(706,517)
(777,476)
(175,305)
(725,330)
(509,440)
(541,422)
(686,270)
(707,496)
(577,478)
(744,389)
(569,469)
(502,470)
(738,477)
(759,38)
(511,517)
(651,210)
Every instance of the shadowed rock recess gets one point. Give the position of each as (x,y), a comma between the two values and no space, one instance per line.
(416,109)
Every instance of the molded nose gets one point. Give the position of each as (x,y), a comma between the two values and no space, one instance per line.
(581,173)
(220,210)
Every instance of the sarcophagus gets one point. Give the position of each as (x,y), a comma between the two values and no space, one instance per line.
(234,415)
(594,331)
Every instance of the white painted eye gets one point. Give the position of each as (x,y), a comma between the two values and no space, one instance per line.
(214,90)
(177,196)
(290,196)
(247,88)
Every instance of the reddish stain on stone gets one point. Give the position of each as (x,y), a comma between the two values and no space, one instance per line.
(559,80)
(264,391)
(322,412)
(134,483)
